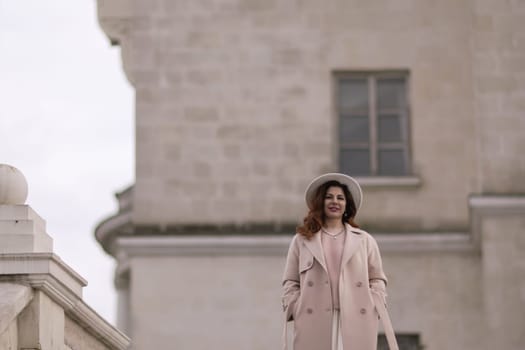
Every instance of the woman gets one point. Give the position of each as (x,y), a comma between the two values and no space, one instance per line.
(332,271)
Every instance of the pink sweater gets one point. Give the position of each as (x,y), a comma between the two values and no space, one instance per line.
(333,253)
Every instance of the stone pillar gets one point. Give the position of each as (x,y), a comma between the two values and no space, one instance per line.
(41,304)
(22,230)
(500,221)
(498,211)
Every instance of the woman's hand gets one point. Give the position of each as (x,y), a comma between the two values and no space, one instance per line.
(378,286)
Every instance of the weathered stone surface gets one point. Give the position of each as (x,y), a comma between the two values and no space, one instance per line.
(500,119)
(13,299)
(222,65)
(9,337)
(78,338)
(243,117)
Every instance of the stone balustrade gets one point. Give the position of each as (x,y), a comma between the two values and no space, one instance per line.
(41,304)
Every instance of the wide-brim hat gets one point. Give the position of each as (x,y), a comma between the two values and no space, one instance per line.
(350,182)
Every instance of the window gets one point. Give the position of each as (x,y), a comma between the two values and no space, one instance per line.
(372,110)
(405,342)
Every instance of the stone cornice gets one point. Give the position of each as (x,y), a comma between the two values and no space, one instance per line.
(425,242)
(113,17)
(120,226)
(275,245)
(99,327)
(44,268)
(484,206)
(260,239)
(498,204)
(202,245)
(107,230)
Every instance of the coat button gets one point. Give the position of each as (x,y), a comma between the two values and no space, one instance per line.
(359,284)
(309,311)
(310,283)
(362,311)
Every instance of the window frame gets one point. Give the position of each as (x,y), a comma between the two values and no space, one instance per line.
(406,341)
(374,146)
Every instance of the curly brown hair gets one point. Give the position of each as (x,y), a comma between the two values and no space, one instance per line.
(314,220)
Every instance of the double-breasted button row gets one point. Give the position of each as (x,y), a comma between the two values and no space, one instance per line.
(309,310)
(359,284)
(310,283)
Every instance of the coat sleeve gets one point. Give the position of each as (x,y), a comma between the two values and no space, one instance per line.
(291,280)
(376,275)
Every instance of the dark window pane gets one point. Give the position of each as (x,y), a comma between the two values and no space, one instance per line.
(354,129)
(355,161)
(391,162)
(389,128)
(405,342)
(353,94)
(391,93)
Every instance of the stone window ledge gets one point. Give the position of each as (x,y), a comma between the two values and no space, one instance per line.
(388,181)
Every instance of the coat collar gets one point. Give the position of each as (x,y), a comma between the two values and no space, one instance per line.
(353,240)
(352,243)
(316,248)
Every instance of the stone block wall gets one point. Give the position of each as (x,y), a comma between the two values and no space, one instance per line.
(216,302)
(235,105)
(499,81)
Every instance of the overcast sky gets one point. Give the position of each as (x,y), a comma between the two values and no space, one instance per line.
(66,121)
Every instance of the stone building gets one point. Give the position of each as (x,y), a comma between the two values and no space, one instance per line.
(240,103)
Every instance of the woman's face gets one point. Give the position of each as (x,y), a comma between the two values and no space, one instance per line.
(334,203)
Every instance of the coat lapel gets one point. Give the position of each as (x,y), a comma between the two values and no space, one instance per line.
(315,247)
(352,243)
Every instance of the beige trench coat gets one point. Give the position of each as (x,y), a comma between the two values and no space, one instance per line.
(307,297)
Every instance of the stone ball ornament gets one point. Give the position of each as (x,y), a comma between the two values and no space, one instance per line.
(13,185)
